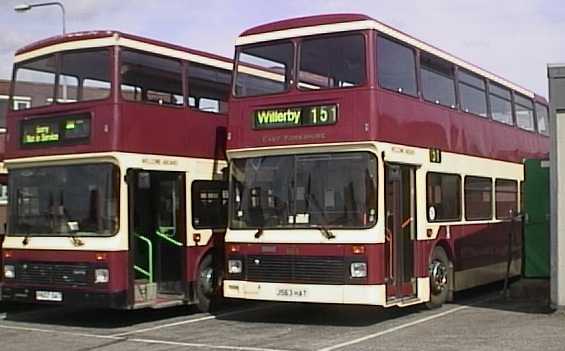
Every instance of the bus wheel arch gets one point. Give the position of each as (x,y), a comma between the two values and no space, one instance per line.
(440,271)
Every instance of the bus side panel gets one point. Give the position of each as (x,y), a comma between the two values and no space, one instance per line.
(481,252)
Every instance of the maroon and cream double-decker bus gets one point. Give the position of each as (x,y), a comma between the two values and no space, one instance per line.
(368,167)
(116,169)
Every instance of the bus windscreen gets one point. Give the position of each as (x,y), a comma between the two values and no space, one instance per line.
(329,190)
(64,200)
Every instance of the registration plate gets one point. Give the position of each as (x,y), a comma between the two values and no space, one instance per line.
(48,296)
(287,292)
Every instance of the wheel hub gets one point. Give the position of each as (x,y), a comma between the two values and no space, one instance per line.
(207,281)
(438,277)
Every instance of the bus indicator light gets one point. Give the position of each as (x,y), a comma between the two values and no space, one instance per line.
(100,257)
(233,248)
(358,250)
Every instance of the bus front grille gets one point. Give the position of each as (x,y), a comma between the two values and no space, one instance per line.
(53,274)
(296,269)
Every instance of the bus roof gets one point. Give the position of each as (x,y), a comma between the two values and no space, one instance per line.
(300,22)
(92,39)
(313,25)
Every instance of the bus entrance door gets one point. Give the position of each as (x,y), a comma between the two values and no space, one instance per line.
(157,228)
(400,231)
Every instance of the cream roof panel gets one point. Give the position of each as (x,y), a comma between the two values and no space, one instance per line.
(124,42)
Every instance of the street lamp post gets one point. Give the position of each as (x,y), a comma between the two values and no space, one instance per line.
(27,7)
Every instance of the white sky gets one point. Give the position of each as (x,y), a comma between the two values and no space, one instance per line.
(515,39)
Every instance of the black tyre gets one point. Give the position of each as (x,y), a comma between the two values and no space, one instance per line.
(206,283)
(439,278)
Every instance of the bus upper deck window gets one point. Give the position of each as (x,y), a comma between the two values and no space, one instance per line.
(396,66)
(85,75)
(332,62)
(151,78)
(263,69)
(36,78)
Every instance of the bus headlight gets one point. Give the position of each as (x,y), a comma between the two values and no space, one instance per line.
(101,276)
(235,266)
(358,270)
(9,271)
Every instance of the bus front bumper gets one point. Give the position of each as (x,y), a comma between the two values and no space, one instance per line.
(65,296)
(316,293)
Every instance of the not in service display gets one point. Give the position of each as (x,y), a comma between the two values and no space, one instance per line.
(291,117)
(56,130)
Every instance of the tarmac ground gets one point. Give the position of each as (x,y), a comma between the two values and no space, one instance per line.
(479,319)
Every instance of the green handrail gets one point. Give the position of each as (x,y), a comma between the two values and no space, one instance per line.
(149,272)
(167,238)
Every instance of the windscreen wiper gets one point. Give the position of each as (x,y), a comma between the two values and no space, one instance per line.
(259,232)
(322,227)
(326,232)
(73,230)
(76,241)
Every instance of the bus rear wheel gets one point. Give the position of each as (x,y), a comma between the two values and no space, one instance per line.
(439,278)
(205,284)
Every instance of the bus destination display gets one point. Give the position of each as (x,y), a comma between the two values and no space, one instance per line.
(57,130)
(291,117)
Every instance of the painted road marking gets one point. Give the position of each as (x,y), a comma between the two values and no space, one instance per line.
(123,336)
(194,320)
(180,343)
(140,340)
(402,326)
(54,331)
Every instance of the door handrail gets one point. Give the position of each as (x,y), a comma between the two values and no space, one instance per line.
(149,271)
(167,238)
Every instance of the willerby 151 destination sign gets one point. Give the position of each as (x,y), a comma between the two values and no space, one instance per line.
(291,117)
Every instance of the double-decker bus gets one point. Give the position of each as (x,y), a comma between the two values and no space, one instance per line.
(116,169)
(368,167)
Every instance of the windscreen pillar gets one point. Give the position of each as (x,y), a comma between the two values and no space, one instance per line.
(556,74)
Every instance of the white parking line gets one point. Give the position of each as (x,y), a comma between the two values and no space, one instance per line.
(140,340)
(54,331)
(398,327)
(221,347)
(194,320)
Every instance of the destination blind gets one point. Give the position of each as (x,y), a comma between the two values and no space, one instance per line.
(292,117)
(56,130)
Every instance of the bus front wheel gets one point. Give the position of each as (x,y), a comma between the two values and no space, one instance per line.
(439,278)
(205,284)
